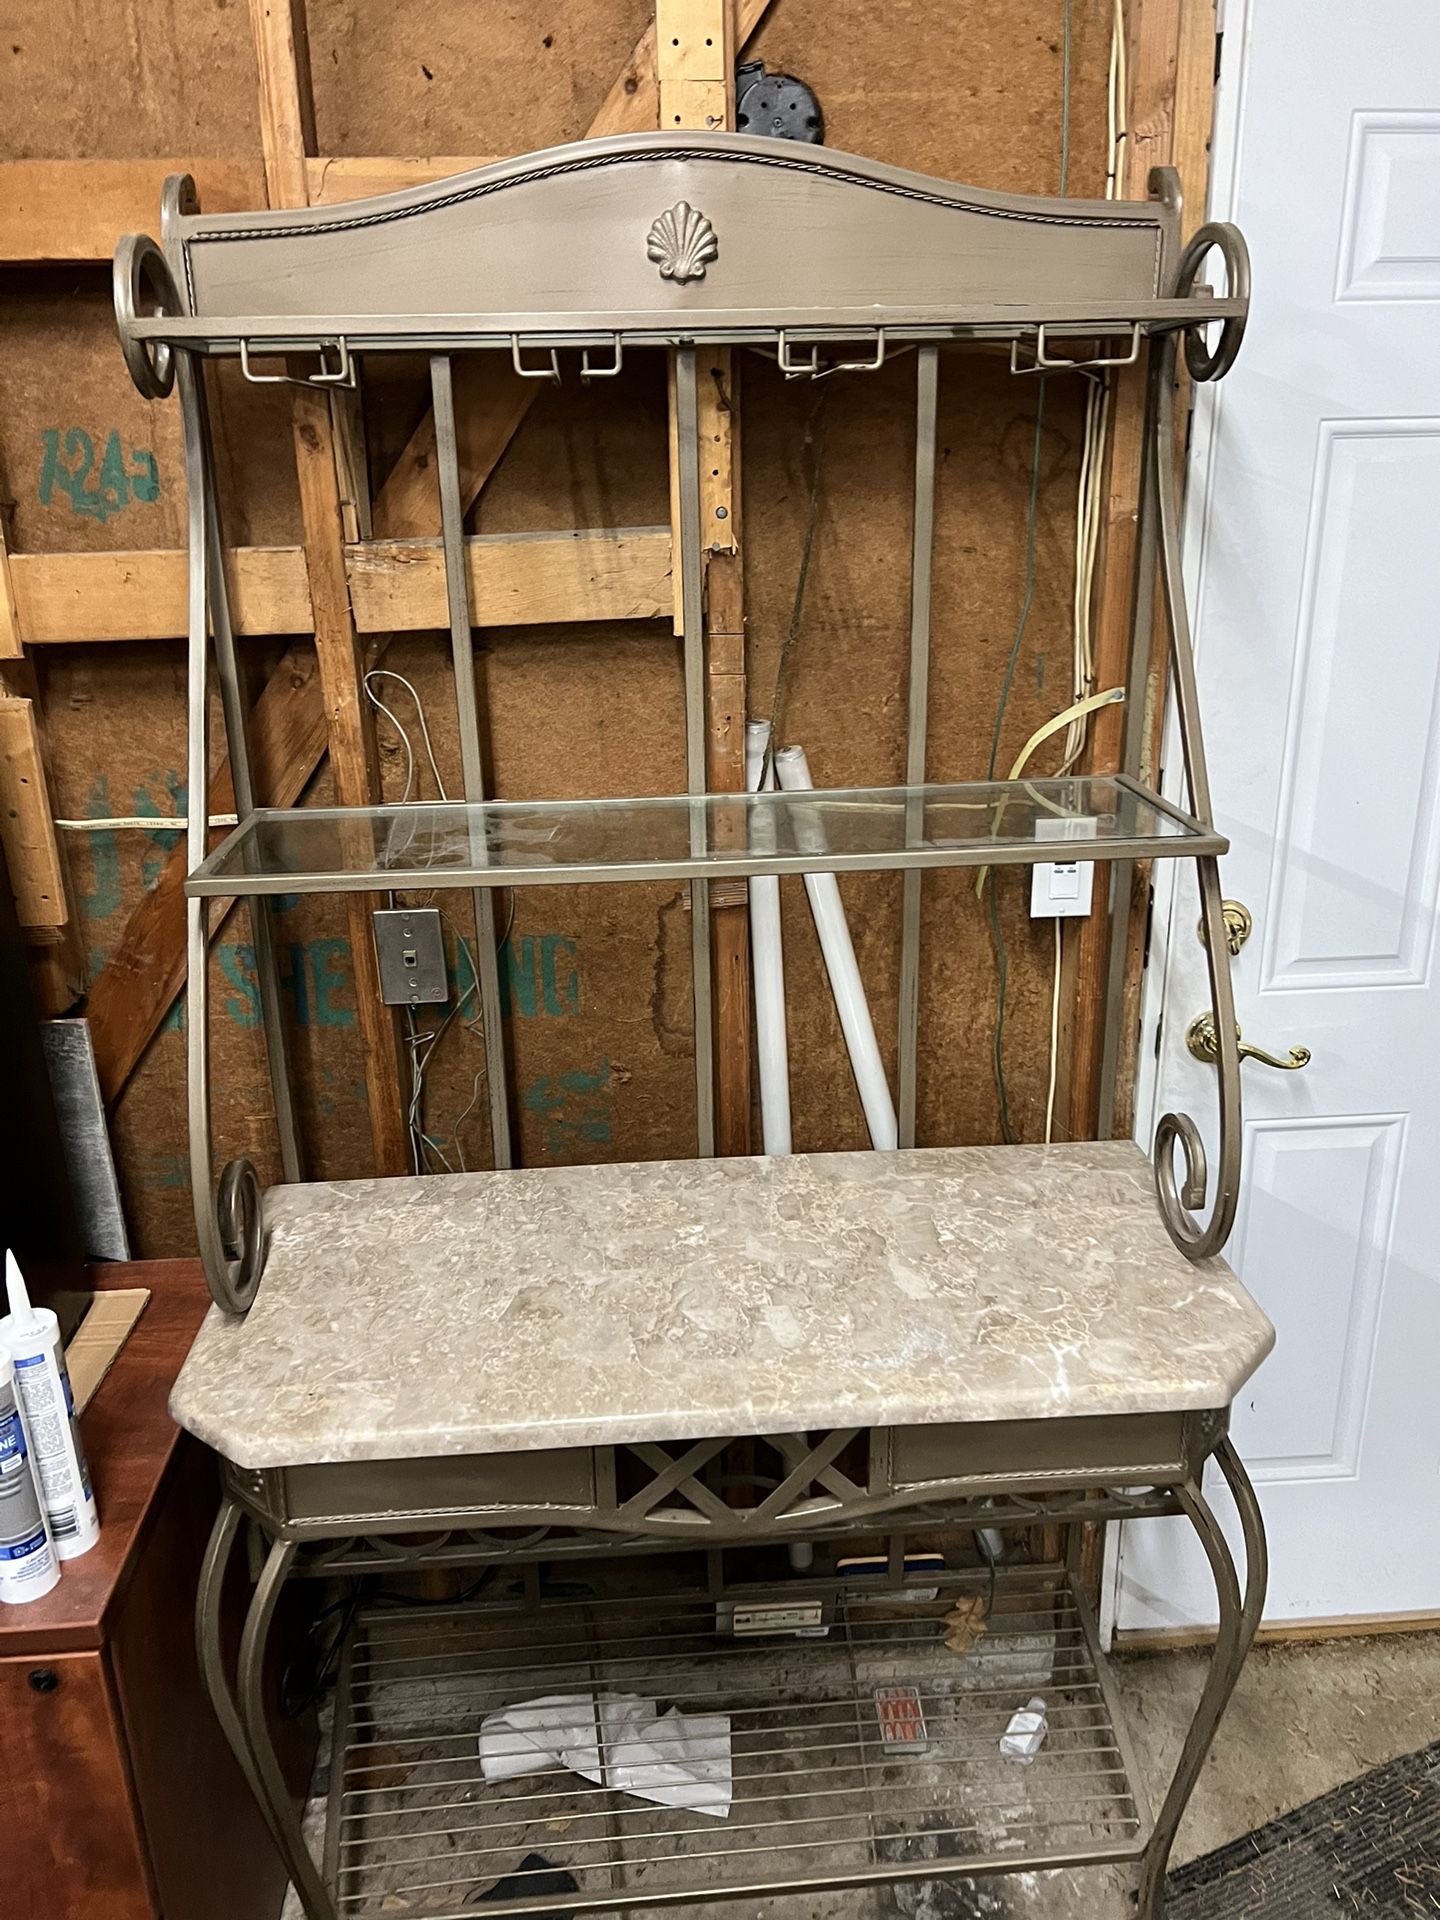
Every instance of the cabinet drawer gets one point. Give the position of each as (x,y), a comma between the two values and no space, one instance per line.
(1017,1453)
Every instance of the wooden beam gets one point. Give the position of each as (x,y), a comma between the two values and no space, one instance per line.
(27,826)
(136,988)
(1172,51)
(57,210)
(287,122)
(515,579)
(695,66)
(287,136)
(358,177)
(78,209)
(395,585)
(12,647)
(42,896)
(631,106)
(490,402)
(64,597)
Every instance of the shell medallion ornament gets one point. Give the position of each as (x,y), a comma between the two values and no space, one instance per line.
(682,241)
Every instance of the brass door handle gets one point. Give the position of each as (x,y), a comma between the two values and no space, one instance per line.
(1200,1040)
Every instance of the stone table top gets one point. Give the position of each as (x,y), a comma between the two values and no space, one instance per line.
(677,1300)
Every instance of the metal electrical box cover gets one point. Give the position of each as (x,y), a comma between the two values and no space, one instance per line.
(410,946)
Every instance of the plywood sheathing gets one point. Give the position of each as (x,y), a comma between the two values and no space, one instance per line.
(127,79)
(602,1066)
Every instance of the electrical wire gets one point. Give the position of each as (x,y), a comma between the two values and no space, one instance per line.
(1088,511)
(421,1042)
(813,438)
(386,673)
(1054,1038)
(142,823)
(1079,712)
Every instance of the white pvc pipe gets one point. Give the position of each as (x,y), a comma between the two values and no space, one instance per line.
(767,960)
(833,928)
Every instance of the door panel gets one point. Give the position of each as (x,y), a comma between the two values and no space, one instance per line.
(1313,566)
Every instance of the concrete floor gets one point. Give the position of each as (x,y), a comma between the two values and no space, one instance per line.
(1304,1719)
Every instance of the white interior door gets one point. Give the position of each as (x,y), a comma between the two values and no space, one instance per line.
(1313,549)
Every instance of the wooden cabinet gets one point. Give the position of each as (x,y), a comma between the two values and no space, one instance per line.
(119,1799)
(72,1827)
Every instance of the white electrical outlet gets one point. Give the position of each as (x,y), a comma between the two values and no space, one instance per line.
(1062,889)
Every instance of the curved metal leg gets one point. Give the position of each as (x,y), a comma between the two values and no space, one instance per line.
(212,1654)
(271,1788)
(1238,1620)
(244,1724)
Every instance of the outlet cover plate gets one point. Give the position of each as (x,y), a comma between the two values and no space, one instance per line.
(1064,890)
(410,946)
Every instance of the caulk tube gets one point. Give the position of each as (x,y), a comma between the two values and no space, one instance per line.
(28,1566)
(31,1337)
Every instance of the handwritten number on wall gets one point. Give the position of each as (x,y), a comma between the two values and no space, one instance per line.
(95,489)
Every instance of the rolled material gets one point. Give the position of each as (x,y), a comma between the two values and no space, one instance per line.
(793,770)
(767,960)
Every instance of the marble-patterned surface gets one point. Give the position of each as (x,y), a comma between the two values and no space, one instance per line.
(566,1306)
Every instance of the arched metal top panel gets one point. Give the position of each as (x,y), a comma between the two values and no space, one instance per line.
(653,234)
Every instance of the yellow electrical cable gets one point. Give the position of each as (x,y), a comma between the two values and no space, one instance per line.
(1109,698)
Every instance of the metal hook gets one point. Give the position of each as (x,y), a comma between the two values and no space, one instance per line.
(589,373)
(811,369)
(343,374)
(858,366)
(796,369)
(552,372)
(1046,363)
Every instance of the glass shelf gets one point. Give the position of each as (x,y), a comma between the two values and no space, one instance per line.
(519,843)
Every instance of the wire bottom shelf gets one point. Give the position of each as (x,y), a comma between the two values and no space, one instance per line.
(414,1827)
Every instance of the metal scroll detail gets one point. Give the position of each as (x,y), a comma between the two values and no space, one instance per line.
(145,286)
(240,1225)
(1203,362)
(682,243)
(1179,1201)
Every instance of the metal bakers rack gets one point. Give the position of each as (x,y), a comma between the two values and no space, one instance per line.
(577,257)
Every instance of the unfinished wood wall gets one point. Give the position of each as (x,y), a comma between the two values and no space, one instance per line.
(600,1019)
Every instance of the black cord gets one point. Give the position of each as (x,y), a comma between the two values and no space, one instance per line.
(814,439)
(384,1597)
(324,1667)
(297,1698)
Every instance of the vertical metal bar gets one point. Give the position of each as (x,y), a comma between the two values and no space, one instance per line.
(922,551)
(1137,680)
(687,435)
(260,907)
(341,1729)
(472,761)
(197,912)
